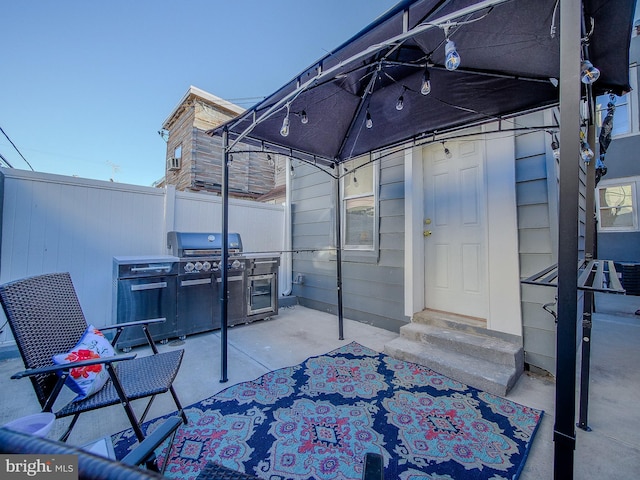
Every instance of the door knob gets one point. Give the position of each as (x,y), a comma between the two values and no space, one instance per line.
(426,233)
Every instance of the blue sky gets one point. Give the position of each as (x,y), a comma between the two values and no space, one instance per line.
(86,85)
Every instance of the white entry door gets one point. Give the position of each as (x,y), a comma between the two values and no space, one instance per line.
(455,229)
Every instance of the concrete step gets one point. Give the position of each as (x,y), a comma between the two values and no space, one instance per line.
(461,348)
(470,370)
(485,347)
(451,320)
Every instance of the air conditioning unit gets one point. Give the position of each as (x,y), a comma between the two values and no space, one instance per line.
(174,163)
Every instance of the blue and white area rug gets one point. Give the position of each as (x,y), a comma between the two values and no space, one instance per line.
(317,420)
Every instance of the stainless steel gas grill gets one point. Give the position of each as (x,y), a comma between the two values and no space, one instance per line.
(198,296)
(144,288)
(184,288)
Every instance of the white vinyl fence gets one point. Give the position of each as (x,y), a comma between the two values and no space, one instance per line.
(54,223)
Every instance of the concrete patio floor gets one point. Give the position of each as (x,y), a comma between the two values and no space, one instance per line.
(610,451)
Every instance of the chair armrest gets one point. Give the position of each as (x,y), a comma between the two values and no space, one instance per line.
(133,324)
(68,366)
(143,451)
(119,327)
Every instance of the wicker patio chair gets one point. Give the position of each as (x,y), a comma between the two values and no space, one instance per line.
(92,466)
(46,319)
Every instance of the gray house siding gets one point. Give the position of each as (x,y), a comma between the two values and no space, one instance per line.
(373,286)
(537,251)
(537,197)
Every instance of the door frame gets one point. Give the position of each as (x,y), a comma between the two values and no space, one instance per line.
(503,289)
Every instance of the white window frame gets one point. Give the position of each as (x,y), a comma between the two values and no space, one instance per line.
(634,182)
(365,250)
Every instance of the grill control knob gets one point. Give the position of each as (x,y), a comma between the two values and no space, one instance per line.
(189,267)
(206,266)
(214,266)
(198,266)
(236,264)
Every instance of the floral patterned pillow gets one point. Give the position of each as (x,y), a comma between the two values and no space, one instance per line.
(86,381)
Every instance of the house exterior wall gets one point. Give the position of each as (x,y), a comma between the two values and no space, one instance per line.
(536,198)
(373,288)
(181,134)
(375,293)
(251,175)
(623,165)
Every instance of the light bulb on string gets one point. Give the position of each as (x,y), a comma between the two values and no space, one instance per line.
(400,101)
(303,117)
(284,131)
(555,146)
(447,152)
(425,87)
(588,73)
(585,150)
(452,57)
(369,121)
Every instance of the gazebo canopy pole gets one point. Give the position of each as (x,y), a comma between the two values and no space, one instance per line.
(589,297)
(339,257)
(564,435)
(224,255)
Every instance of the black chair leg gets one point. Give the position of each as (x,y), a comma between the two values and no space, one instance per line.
(67,432)
(185,420)
(126,403)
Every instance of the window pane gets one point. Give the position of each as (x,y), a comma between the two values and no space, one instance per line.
(616,196)
(616,206)
(621,123)
(615,217)
(359,222)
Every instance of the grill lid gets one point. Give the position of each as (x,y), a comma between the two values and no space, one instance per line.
(197,244)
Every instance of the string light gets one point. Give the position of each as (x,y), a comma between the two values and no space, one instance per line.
(555,146)
(425,88)
(400,101)
(585,150)
(452,57)
(369,121)
(284,131)
(588,73)
(447,152)
(303,117)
